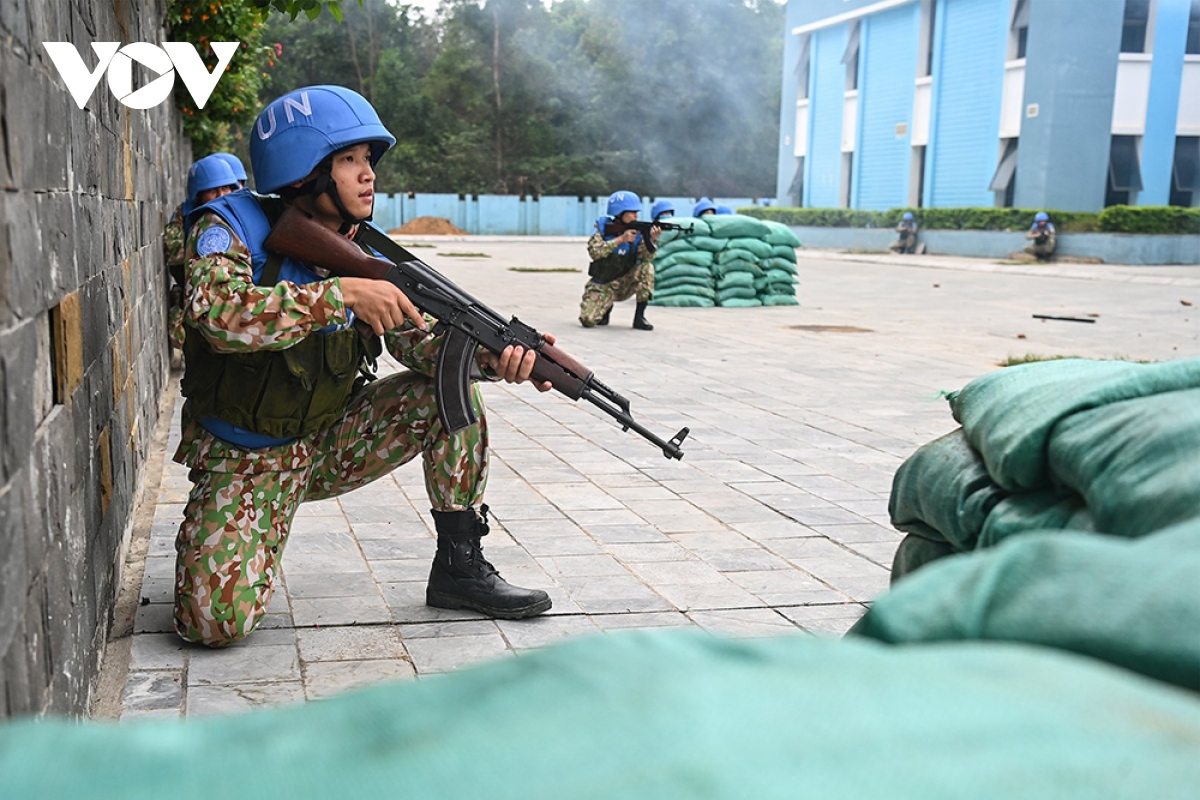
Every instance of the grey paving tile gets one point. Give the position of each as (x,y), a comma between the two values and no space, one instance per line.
(786,587)
(137,716)
(154,618)
(688,571)
(523,634)
(308,585)
(453,652)
(156,651)
(393,549)
(437,630)
(239,664)
(208,701)
(582,566)
(152,691)
(626,534)
(746,559)
(706,596)
(612,594)
(350,643)
(398,570)
(829,619)
(543,546)
(862,532)
(407,603)
(745,622)
(325,611)
(651,619)
(394,532)
(881,553)
(323,679)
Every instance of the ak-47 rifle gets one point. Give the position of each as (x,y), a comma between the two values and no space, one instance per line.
(616,228)
(465,322)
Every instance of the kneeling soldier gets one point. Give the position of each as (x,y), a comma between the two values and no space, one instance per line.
(281,408)
(622,266)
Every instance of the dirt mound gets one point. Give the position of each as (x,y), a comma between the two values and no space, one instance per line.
(429,226)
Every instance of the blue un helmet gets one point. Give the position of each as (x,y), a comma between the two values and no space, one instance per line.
(908,215)
(704,205)
(660,208)
(299,132)
(724,210)
(235,164)
(1041,216)
(209,172)
(620,202)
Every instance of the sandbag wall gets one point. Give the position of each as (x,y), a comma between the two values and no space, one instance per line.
(1106,446)
(727,260)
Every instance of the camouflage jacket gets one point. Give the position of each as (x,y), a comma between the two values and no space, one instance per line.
(173,240)
(599,248)
(234,315)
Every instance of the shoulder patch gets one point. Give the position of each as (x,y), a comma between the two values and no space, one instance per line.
(216,239)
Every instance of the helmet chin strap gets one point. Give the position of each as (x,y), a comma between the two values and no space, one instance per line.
(325,184)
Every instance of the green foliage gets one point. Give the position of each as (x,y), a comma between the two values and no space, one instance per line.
(235,102)
(1150,219)
(517,97)
(1115,219)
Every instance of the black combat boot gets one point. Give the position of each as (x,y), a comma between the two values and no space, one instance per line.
(604,320)
(462,578)
(639,318)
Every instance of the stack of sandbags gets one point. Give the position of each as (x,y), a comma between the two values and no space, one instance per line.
(683,266)
(1105,446)
(736,267)
(777,286)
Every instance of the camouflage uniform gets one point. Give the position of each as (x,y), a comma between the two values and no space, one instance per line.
(1045,248)
(242,502)
(173,255)
(907,243)
(598,298)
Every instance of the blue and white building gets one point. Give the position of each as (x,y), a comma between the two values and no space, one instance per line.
(1061,104)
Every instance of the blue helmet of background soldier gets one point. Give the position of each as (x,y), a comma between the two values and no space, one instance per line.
(1041,216)
(620,202)
(704,205)
(235,164)
(660,208)
(209,172)
(300,130)
(724,210)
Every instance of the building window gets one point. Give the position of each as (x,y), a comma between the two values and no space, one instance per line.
(1193,31)
(1019,29)
(850,57)
(803,65)
(1185,173)
(1124,171)
(1137,21)
(1004,181)
(796,190)
(925,40)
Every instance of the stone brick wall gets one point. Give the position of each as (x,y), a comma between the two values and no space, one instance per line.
(84,195)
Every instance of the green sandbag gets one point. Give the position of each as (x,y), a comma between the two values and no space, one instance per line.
(698,258)
(664,714)
(708,243)
(944,491)
(700,228)
(683,271)
(780,264)
(683,301)
(758,247)
(778,300)
(735,279)
(1135,604)
(674,283)
(781,234)
(727,267)
(1008,414)
(736,293)
(918,549)
(736,226)
(784,252)
(670,248)
(1042,509)
(736,254)
(740,302)
(1136,462)
(688,290)
(779,276)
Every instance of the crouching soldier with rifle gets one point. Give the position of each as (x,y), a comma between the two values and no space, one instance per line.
(278,409)
(622,264)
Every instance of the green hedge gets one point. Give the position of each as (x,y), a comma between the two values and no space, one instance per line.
(1115,219)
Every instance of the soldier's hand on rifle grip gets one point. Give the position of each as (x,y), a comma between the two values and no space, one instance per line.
(628,236)
(654,233)
(515,364)
(380,304)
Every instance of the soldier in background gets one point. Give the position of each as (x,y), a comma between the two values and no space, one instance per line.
(663,209)
(704,207)
(209,178)
(1043,237)
(907,243)
(622,266)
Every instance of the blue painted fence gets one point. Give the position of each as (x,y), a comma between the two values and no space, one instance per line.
(510,215)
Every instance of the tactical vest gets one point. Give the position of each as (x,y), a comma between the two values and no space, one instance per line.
(616,264)
(280,394)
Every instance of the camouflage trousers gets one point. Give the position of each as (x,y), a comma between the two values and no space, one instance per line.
(598,298)
(1044,250)
(236,524)
(175,318)
(907,243)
